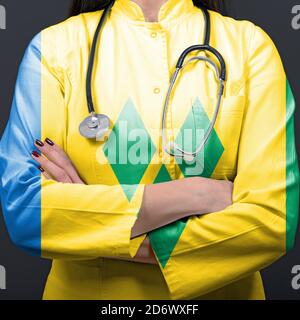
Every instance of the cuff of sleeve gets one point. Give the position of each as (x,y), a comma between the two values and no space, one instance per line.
(126,246)
(135,244)
(171,275)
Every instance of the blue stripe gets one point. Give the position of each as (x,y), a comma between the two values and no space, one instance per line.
(20,178)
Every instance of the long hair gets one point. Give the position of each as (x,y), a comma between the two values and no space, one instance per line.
(80,6)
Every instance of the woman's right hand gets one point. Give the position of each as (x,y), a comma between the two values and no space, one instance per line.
(166,202)
(215,195)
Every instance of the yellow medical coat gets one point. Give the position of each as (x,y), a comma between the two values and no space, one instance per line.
(214,256)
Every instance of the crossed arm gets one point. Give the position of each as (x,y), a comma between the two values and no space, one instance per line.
(162,203)
(55,219)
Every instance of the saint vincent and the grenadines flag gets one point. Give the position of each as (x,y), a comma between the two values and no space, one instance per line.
(81,222)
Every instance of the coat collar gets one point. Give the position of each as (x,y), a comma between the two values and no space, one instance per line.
(169,13)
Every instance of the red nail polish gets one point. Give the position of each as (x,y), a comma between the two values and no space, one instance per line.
(50,142)
(35,154)
(41,169)
(39,142)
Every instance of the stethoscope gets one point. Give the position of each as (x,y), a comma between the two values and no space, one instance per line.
(96,126)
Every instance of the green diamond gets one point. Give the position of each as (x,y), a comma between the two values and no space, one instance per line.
(197,120)
(164,239)
(129,149)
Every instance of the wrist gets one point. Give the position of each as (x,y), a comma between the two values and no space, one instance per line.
(191,196)
(198,194)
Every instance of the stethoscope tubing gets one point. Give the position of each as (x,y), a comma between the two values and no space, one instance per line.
(89,75)
(91,121)
(174,77)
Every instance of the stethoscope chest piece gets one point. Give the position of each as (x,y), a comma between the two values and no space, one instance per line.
(95,126)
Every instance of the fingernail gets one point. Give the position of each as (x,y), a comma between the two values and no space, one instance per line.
(39,142)
(50,142)
(35,154)
(41,169)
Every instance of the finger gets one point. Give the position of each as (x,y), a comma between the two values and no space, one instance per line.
(45,174)
(56,172)
(55,147)
(56,155)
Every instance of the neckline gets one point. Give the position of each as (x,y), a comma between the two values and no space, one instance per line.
(170,13)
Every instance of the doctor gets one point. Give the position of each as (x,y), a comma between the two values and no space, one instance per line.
(148,225)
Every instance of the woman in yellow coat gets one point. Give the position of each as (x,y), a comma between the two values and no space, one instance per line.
(119,217)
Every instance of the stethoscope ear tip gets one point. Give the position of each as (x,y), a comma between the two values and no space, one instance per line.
(176,151)
(188,158)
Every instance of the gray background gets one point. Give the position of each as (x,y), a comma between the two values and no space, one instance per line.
(25,274)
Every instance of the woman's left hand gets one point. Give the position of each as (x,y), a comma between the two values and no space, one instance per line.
(145,254)
(55,164)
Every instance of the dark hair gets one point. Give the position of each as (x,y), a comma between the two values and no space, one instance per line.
(80,6)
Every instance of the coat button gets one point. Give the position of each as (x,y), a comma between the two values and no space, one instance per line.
(156,90)
(153,34)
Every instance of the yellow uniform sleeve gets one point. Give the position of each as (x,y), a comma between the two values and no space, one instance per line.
(45,217)
(220,248)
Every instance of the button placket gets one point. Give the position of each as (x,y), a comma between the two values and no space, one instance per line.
(155,34)
(156,90)
(165,78)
